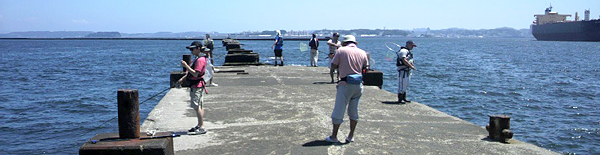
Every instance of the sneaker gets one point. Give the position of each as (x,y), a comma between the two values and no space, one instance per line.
(201,131)
(213,85)
(193,129)
(348,140)
(196,130)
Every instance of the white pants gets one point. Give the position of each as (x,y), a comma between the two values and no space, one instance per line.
(314,57)
(403,80)
(347,95)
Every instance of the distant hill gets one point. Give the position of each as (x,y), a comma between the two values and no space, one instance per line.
(104,35)
(91,34)
(366,32)
(46,34)
(503,32)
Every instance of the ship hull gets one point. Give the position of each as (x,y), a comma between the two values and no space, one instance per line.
(568,31)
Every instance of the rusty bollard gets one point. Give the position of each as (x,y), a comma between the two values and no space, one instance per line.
(129,113)
(188,59)
(128,140)
(499,128)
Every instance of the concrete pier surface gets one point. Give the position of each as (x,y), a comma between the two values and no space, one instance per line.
(287,109)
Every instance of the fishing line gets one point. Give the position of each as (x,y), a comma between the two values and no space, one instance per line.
(104,123)
(386,45)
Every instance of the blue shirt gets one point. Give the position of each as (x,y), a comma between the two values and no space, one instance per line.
(279,44)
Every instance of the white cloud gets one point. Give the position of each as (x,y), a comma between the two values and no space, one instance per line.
(79,21)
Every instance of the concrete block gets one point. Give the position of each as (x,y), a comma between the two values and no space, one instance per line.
(238,51)
(109,143)
(176,75)
(248,57)
(227,41)
(373,78)
(233,46)
(242,64)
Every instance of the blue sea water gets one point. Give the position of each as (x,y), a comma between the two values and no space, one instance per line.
(56,94)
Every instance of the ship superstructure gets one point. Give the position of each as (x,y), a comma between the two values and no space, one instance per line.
(552,26)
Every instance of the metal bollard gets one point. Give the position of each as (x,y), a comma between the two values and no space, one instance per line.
(499,128)
(129,113)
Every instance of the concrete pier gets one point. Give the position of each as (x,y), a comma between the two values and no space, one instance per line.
(286,110)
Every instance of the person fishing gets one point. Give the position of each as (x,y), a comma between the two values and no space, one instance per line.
(314,50)
(350,61)
(195,75)
(333,44)
(404,62)
(278,47)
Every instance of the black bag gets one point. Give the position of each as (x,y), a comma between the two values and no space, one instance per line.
(210,45)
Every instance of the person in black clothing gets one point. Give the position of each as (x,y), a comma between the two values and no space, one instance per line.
(314,50)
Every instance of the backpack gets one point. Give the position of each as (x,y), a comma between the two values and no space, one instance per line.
(280,41)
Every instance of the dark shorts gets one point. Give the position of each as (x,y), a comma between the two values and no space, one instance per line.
(278,53)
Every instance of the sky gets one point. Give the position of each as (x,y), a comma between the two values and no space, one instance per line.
(230,16)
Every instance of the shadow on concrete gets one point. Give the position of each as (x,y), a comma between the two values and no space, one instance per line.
(321,143)
(323,83)
(392,102)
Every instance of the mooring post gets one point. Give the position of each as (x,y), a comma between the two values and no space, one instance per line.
(499,128)
(129,113)
(188,59)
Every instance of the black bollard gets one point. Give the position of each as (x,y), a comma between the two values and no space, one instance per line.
(499,128)
(128,140)
(188,59)
(129,113)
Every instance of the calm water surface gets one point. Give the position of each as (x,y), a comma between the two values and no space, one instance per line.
(55,94)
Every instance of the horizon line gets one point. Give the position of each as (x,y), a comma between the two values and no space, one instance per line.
(253,31)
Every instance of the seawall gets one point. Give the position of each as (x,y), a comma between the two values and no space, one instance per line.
(286,110)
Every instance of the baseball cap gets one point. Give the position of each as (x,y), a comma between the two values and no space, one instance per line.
(194,44)
(411,43)
(349,38)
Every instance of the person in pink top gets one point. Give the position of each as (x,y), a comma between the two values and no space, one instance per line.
(195,73)
(350,61)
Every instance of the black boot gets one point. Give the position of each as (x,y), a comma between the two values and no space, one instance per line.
(404,98)
(400,99)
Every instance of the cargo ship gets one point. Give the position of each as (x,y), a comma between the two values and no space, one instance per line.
(552,26)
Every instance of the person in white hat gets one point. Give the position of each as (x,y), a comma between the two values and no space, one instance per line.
(278,46)
(350,61)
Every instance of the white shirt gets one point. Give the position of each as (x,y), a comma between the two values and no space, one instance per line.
(333,49)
